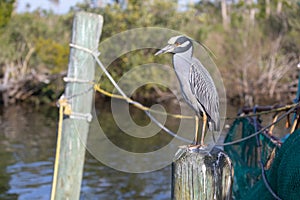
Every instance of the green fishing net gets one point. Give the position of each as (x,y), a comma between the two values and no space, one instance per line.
(283,175)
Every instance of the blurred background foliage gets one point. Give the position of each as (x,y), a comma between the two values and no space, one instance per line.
(257,43)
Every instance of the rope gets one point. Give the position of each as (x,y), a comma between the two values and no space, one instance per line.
(165,129)
(261,130)
(64,108)
(138,105)
(286,107)
(258,143)
(267,183)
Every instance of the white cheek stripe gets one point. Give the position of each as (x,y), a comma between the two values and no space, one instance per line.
(184,44)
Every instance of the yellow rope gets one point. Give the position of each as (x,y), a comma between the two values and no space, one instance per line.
(99,89)
(64,108)
(138,105)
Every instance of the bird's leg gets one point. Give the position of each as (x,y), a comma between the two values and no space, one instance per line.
(204,118)
(196,129)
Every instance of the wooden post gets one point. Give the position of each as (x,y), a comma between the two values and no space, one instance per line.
(198,175)
(86,33)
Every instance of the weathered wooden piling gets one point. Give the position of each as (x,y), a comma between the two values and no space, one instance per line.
(200,175)
(70,159)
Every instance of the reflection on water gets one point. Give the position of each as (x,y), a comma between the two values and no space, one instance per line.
(27,147)
(105,183)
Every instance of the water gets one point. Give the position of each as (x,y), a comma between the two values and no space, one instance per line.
(27,149)
(27,141)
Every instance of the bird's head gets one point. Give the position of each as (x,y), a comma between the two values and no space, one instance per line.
(176,44)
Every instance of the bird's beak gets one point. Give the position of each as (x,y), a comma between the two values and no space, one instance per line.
(166,49)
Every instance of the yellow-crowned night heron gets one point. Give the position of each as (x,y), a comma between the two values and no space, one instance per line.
(197,86)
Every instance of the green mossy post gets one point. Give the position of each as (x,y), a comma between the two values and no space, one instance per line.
(201,176)
(86,33)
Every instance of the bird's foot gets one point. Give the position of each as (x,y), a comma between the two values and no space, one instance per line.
(197,146)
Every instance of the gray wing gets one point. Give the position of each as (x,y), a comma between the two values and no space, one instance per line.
(204,89)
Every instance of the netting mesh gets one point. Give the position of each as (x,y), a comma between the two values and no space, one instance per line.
(284,173)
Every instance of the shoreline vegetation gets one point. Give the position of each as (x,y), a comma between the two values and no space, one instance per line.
(257,44)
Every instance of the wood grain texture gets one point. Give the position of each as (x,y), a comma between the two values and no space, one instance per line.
(201,175)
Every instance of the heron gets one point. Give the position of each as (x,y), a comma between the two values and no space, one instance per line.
(197,86)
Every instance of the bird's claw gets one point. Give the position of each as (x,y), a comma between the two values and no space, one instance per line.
(198,146)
